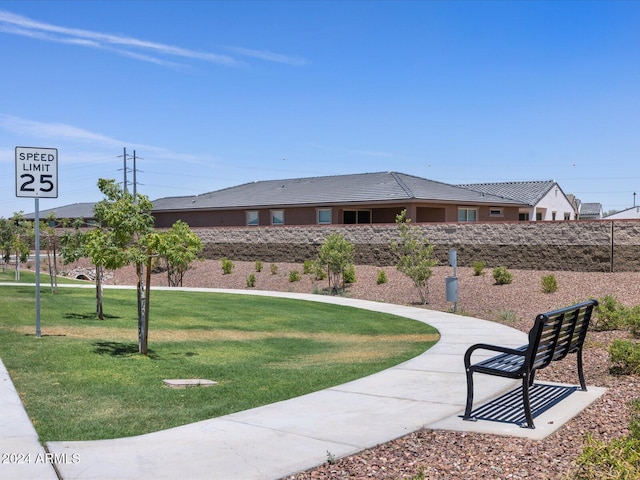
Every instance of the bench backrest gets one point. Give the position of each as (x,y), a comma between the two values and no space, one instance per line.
(557,333)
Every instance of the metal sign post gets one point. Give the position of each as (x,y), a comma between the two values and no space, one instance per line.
(37,177)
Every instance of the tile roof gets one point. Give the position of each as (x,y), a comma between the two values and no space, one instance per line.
(529,192)
(329,190)
(75,210)
(590,209)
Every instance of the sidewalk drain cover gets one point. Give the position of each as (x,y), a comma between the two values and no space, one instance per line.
(188,382)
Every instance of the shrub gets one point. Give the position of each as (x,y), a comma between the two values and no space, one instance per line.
(618,458)
(274,269)
(251,280)
(549,284)
(625,357)
(502,276)
(507,316)
(632,320)
(349,274)
(308,267)
(336,254)
(608,315)
(321,273)
(227,266)
(258,266)
(294,276)
(478,268)
(382,277)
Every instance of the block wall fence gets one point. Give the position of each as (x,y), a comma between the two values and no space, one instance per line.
(589,246)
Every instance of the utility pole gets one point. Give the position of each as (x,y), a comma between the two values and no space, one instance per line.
(135,170)
(124,156)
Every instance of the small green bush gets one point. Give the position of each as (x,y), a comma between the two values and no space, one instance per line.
(274,269)
(608,315)
(349,275)
(308,267)
(625,357)
(382,277)
(251,280)
(549,284)
(258,266)
(294,276)
(632,320)
(507,316)
(616,459)
(502,276)
(227,266)
(478,268)
(321,273)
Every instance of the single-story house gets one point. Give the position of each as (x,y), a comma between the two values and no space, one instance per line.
(543,200)
(626,214)
(83,210)
(590,211)
(340,199)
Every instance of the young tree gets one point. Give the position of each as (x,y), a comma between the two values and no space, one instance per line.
(179,247)
(125,236)
(336,254)
(18,241)
(414,256)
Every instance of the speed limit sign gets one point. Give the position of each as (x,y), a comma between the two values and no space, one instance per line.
(36,172)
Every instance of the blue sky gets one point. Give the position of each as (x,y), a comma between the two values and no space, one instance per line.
(215,94)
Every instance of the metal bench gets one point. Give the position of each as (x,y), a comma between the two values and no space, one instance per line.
(554,335)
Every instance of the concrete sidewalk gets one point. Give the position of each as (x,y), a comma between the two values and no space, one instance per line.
(277,440)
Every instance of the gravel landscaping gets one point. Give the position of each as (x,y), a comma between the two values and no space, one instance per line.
(452,455)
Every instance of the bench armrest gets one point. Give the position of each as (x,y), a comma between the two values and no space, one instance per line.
(493,348)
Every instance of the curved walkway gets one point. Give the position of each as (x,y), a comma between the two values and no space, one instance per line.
(277,440)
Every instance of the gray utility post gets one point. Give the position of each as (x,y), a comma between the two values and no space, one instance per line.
(451,283)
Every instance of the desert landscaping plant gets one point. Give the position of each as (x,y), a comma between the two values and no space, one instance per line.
(258,266)
(251,280)
(618,458)
(478,268)
(549,283)
(336,255)
(382,277)
(625,357)
(274,269)
(502,276)
(608,315)
(227,266)
(415,255)
(294,276)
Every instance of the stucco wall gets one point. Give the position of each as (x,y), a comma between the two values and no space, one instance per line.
(579,245)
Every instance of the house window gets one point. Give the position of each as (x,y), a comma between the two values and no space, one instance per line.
(523,217)
(253,218)
(277,217)
(567,216)
(496,212)
(351,217)
(467,214)
(324,216)
(553,215)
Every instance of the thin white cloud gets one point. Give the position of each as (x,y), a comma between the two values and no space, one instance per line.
(269,56)
(13,24)
(76,138)
(60,131)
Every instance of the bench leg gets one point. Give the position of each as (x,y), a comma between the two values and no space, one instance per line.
(583,384)
(527,404)
(467,410)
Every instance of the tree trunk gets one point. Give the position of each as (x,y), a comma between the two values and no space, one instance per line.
(99,309)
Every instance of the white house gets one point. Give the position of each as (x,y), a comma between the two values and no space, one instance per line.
(545,199)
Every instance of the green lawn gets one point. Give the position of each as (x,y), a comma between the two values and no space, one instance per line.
(83,379)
